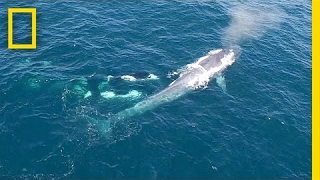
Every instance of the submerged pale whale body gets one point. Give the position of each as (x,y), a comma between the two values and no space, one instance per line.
(193,76)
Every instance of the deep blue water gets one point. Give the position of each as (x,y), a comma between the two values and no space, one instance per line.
(259,128)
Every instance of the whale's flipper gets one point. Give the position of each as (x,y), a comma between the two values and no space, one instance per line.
(221,82)
(88,94)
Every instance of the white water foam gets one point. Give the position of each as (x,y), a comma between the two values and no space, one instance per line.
(202,79)
(132,78)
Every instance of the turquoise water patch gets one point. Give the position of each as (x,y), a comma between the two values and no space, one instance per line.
(34,83)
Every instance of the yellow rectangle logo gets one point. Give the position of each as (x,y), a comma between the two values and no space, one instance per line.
(33,12)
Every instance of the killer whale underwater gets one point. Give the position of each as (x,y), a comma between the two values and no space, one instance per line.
(96,86)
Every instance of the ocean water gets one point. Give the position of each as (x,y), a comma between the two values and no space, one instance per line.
(260,127)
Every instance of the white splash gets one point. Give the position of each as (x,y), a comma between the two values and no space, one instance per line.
(128,78)
(132,78)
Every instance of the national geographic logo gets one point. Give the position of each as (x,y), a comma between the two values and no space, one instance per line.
(33,12)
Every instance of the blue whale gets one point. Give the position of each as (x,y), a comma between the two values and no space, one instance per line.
(193,76)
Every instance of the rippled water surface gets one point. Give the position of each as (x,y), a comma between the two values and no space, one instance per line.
(259,128)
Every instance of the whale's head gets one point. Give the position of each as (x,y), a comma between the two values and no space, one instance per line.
(229,57)
(236,50)
(219,58)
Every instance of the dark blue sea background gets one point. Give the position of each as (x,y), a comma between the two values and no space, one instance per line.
(259,128)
